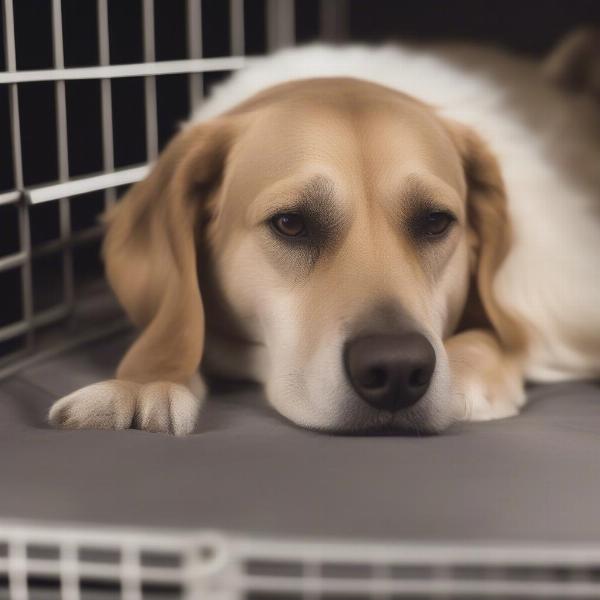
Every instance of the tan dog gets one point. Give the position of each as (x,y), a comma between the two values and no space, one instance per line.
(333,238)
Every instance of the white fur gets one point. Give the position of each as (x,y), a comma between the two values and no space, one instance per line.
(115,404)
(548,145)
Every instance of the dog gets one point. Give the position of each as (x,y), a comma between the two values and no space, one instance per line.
(391,238)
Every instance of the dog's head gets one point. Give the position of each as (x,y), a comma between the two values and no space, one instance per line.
(342,230)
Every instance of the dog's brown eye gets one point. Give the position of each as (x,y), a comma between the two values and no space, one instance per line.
(289,224)
(438,222)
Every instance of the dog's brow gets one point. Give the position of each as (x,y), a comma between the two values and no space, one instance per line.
(416,194)
(317,201)
(318,189)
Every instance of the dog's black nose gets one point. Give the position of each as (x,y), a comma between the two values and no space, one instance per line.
(390,372)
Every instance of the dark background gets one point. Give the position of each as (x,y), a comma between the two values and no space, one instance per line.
(528,26)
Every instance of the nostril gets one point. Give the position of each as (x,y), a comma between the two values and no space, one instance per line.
(374,378)
(418,378)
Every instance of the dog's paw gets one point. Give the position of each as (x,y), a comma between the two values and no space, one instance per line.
(105,405)
(160,407)
(167,408)
(485,403)
(487,383)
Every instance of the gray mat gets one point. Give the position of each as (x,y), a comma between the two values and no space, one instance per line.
(532,478)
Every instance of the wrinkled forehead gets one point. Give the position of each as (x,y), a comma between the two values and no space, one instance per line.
(367,144)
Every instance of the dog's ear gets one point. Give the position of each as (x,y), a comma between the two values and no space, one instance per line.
(575,62)
(150,254)
(489,237)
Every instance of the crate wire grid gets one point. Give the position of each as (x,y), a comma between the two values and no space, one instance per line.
(132,564)
(280,32)
(65,187)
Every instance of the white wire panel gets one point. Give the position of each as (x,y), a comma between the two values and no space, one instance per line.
(62,151)
(334,20)
(280,24)
(211,565)
(165,67)
(84,185)
(108,155)
(10,197)
(65,187)
(23,214)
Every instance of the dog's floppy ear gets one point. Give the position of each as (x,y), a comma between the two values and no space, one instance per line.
(150,254)
(489,238)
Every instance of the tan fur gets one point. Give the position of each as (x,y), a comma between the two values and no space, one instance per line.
(491,236)
(378,149)
(150,255)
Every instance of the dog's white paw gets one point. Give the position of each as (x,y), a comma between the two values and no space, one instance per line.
(166,407)
(160,407)
(104,405)
(486,404)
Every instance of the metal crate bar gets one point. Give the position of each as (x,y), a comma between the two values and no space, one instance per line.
(19,258)
(131,573)
(107,572)
(91,233)
(167,67)
(83,185)
(69,573)
(280,24)
(194,47)
(38,320)
(74,341)
(334,20)
(377,588)
(214,564)
(150,83)
(108,159)
(236,26)
(17,564)
(10,197)
(63,154)
(15,137)
(12,260)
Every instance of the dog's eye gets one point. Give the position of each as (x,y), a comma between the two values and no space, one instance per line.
(289,225)
(436,223)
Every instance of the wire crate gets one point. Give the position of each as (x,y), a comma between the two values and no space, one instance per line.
(82,115)
(72,563)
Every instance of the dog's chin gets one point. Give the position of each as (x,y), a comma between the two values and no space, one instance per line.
(419,420)
(402,423)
